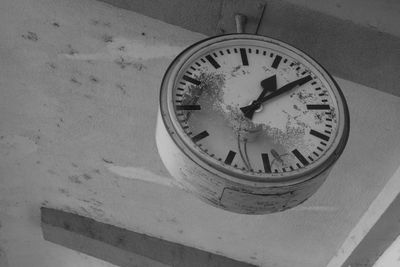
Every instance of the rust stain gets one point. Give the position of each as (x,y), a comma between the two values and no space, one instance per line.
(71,51)
(97,22)
(32,36)
(107,38)
(93,79)
(75,179)
(87,176)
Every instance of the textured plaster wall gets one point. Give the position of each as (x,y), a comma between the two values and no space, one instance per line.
(382,15)
(79,85)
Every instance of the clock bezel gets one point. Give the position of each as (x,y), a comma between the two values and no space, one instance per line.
(167,112)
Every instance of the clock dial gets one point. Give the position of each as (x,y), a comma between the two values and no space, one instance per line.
(288,132)
(250,124)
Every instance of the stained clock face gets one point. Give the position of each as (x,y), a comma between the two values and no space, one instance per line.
(256,108)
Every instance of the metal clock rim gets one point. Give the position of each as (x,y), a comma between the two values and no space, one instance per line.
(249,179)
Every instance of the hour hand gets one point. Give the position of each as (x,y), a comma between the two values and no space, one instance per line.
(268,85)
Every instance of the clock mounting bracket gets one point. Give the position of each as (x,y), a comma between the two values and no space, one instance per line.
(248,14)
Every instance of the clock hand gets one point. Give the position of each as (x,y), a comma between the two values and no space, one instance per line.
(249,110)
(268,84)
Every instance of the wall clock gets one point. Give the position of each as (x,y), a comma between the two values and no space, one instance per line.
(250,124)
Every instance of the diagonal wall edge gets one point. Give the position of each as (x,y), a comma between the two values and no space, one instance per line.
(123,247)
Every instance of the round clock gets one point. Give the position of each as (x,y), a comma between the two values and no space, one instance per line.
(250,124)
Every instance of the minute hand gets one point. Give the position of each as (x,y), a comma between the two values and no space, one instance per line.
(287,88)
(249,110)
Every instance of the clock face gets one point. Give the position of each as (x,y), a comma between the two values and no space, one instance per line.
(254,108)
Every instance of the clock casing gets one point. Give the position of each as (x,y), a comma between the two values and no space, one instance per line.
(216,179)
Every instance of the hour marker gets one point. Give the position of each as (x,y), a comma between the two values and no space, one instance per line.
(319,135)
(276,62)
(188,107)
(306,79)
(229,158)
(200,136)
(191,80)
(318,106)
(300,157)
(266,163)
(243,54)
(212,61)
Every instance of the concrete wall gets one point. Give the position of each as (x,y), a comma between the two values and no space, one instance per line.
(78,101)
